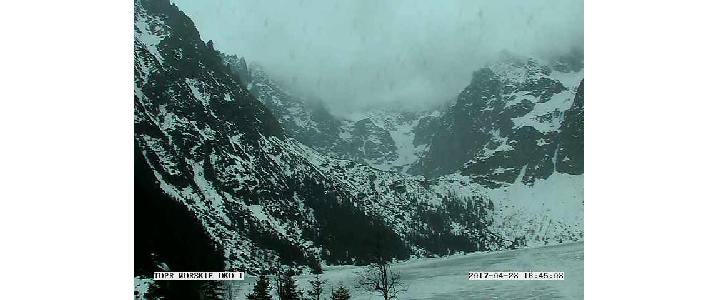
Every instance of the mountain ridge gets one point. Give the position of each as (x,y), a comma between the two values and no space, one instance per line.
(216,145)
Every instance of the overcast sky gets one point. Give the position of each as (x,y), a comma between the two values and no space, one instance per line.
(362,53)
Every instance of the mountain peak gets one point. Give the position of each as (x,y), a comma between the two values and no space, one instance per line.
(279,181)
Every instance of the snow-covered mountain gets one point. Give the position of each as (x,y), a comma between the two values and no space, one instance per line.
(533,121)
(513,117)
(276,179)
(382,138)
(519,119)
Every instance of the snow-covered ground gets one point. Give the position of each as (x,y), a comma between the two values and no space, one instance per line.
(447,277)
(549,210)
(142,286)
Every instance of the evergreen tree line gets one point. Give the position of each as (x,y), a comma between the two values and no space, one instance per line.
(431,228)
(344,231)
(347,234)
(378,277)
(285,288)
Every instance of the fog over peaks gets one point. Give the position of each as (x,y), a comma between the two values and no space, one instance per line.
(355,54)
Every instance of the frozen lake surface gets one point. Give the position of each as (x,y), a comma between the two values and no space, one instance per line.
(447,278)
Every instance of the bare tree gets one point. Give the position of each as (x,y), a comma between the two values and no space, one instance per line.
(380,277)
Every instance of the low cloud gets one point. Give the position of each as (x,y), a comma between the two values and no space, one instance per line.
(355,54)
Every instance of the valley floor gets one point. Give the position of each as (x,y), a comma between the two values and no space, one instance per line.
(447,278)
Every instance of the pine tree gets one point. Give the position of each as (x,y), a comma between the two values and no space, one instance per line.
(341,293)
(212,289)
(288,290)
(315,292)
(261,289)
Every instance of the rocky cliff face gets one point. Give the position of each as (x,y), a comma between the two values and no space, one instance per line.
(510,124)
(569,156)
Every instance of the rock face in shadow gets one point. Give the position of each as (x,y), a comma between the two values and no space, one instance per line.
(569,158)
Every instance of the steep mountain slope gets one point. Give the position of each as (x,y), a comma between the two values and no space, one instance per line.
(510,122)
(304,119)
(168,236)
(569,156)
(383,139)
(268,199)
(221,153)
